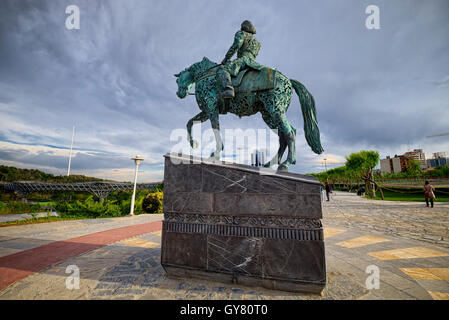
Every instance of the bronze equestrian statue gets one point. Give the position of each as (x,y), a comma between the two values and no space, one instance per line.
(244,87)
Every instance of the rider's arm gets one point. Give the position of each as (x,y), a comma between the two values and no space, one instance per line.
(238,41)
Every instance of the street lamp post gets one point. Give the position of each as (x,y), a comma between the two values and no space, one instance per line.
(137,161)
(325,166)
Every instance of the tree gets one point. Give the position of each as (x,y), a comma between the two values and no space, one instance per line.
(440,171)
(9,174)
(152,203)
(414,168)
(363,163)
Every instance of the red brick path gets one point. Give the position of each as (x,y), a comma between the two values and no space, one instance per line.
(17,266)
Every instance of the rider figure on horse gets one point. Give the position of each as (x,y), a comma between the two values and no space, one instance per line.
(247,48)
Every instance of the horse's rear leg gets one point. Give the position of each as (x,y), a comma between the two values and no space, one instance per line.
(272,122)
(290,135)
(278,157)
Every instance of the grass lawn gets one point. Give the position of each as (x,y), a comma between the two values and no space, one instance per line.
(47,219)
(14,207)
(406,196)
(47,203)
(38,220)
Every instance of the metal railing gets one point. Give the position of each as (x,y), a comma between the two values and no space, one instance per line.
(98,188)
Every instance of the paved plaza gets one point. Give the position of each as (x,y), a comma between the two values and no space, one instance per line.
(119,258)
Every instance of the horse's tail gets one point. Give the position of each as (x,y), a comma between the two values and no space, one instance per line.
(311,130)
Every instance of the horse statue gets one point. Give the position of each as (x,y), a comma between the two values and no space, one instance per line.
(266,91)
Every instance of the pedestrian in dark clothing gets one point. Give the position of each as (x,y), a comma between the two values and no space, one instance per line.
(328,190)
(429,193)
(361,191)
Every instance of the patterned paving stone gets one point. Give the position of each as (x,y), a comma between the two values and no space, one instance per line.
(409,220)
(23,264)
(361,241)
(157,233)
(136,242)
(439,295)
(330,232)
(427,273)
(130,269)
(408,253)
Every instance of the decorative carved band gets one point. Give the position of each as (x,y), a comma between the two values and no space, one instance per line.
(230,230)
(245,221)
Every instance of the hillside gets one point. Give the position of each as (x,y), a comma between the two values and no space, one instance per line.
(8,174)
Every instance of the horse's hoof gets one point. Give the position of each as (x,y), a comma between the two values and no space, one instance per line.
(213,156)
(194,144)
(267,165)
(283,168)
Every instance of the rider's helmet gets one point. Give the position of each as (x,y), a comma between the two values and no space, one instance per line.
(248,27)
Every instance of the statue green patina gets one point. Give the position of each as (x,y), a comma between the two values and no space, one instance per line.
(247,48)
(254,88)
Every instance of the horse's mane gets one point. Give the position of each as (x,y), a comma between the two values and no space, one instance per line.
(199,67)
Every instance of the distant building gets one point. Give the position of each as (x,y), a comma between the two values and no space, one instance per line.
(417,155)
(439,159)
(386,165)
(400,163)
(258,158)
(393,165)
(437,162)
(441,155)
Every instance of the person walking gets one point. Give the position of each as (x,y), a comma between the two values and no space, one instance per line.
(361,191)
(429,193)
(328,190)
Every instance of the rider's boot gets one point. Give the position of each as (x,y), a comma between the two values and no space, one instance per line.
(227,91)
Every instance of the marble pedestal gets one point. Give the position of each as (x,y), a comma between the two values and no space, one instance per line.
(235,223)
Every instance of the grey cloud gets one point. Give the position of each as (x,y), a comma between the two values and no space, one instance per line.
(113,78)
(441,83)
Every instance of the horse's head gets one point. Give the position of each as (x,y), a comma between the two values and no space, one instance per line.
(185,82)
(186,78)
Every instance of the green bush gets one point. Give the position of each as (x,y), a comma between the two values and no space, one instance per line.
(90,208)
(125,203)
(18,207)
(16,174)
(152,203)
(116,206)
(3,207)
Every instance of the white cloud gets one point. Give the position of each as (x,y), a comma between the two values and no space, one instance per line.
(113,78)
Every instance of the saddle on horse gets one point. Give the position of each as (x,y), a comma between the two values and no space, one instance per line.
(250,80)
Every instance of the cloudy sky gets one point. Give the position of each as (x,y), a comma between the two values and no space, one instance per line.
(384,89)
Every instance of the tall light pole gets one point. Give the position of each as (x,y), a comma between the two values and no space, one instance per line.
(325,166)
(70,155)
(137,161)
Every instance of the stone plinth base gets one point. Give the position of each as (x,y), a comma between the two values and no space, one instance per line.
(235,223)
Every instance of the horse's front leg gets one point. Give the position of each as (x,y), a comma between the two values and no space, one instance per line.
(219,143)
(201,117)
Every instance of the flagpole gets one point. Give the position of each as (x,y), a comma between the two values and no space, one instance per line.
(70,155)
